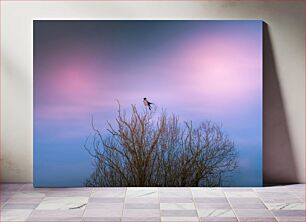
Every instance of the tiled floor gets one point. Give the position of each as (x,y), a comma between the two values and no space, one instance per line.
(21,202)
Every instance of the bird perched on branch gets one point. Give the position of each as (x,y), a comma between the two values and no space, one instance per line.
(147,103)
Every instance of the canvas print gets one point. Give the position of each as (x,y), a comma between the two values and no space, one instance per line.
(147,103)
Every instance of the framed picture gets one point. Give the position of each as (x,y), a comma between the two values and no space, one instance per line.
(147,103)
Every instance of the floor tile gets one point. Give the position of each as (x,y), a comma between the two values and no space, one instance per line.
(216,213)
(140,219)
(103,213)
(271,193)
(142,200)
(68,193)
(142,213)
(296,186)
(176,200)
(280,200)
(245,200)
(109,193)
(291,219)
(99,205)
(248,206)
(179,219)
(179,213)
(141,206)
(20,206)
(279,189)
(240,194)
(62,203)
(10,186)
(177,206)
(101,219)
(26,194)
(174,192)
(237,189)
(27,187)
(207,192)
(14,214)
(253,213)
(55,219)
(3,200)
(105,200)
(300,195)
(110,189)
(289,213)
(213,205)
(218,219)
(274,197)
(210,200)
(136,192)
(257,219)
(174,189)
(286,206)
(57,213)
(23,202)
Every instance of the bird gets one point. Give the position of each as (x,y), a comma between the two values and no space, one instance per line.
(147,103)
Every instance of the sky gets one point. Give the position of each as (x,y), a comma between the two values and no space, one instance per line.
(197,69)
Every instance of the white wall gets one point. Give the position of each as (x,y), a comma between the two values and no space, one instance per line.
(284,127)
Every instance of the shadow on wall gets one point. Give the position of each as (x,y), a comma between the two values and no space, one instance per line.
(278,160)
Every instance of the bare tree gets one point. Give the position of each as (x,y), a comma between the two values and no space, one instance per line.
(146,149)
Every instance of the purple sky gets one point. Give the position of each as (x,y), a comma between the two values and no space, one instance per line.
(199,70)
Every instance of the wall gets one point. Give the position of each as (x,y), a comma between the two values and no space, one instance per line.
(284,79)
